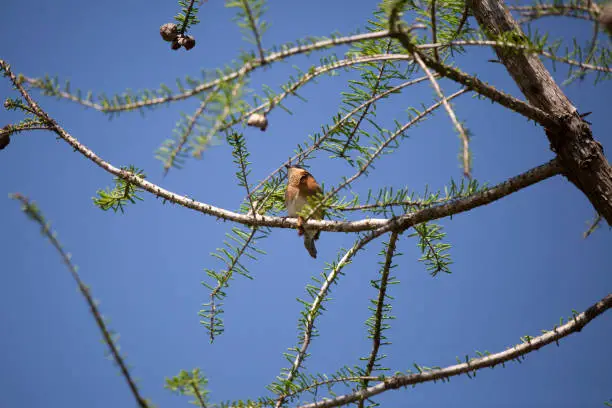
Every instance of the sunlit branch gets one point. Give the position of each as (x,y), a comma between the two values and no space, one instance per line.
(576,324)
(533,12)
(269,105)
(555,13)
(34,213)
(451,113)
(402,222)
(245,69)
(530,49)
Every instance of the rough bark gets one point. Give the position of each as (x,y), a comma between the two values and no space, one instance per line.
(581,157)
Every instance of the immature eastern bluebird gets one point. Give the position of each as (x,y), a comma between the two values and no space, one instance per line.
(300,187)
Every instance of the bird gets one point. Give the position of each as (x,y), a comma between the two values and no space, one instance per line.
(301,185)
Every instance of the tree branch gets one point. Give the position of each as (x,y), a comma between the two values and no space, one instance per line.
(580,155)
(527,48)
(532,112)
(302,155)
(403,222)
(376,330)
(315,310)
(256,34)
(379,151)
(451,113)
(397,381)
(245,69)
(190,126)
(34,213)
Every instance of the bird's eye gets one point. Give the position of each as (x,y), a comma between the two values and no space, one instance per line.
(304,177)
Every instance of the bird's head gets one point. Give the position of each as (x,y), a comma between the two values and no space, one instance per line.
(296,174)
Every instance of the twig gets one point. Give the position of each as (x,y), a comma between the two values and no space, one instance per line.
(464,17)
(184,26)
(245,69)
(262,57)
(198,394)
(34,213)
(185,136)
(434,34)
(530,13)
(318,384)
(518,47)
(451,113)
(227,109)
(223,281)
(576,324)
(266,107)
(381,70)
(378,314)
(594,225)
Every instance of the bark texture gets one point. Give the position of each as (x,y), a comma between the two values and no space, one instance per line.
(581,157)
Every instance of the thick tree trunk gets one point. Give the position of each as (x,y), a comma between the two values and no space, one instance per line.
(581,157)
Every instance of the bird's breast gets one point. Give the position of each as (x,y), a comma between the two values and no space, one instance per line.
(295,205)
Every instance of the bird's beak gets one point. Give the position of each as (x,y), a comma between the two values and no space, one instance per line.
(287,166)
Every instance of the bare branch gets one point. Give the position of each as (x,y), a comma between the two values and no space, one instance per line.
(451,113)
(245,69)
(574,10)
(502,44)
(510,186)
(33,213)
(576,324)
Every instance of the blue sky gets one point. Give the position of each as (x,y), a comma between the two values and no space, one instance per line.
(519,264)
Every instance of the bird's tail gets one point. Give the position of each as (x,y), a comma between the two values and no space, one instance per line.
(309,242)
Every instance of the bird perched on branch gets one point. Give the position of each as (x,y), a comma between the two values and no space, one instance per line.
(300,187)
